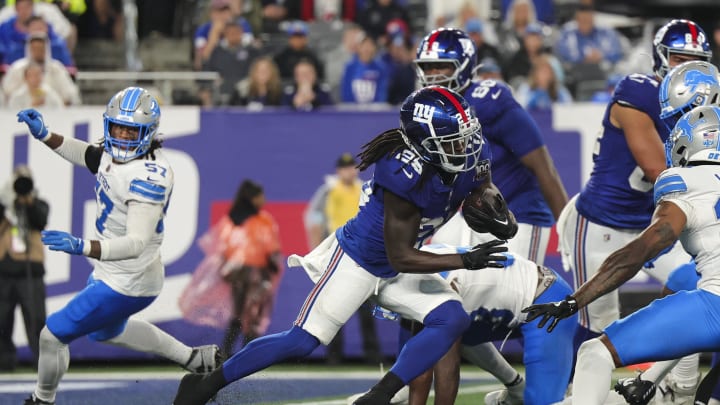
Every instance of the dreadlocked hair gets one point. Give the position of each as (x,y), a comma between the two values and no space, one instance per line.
(387,143)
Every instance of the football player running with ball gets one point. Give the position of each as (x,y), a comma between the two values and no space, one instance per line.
(133,187)
(423,171)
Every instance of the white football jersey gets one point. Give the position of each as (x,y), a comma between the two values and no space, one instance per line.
(487,290)
(696,191)
(142,180)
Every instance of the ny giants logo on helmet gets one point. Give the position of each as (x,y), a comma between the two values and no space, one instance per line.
(423,113)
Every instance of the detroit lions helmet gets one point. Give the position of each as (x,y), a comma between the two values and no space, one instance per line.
(695,138)
(678,37)
(446,46)
(687,86)
(136,108)
(439,125)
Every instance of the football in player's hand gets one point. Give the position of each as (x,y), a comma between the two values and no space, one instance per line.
(485,211)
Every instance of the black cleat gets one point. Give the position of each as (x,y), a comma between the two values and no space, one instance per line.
(194,390)
(635,390)
(204,359)
(33,400)
(373,397)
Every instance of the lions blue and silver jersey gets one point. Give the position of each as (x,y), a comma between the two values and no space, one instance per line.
(696,191)
(617,194)
(511,134)
(362,237)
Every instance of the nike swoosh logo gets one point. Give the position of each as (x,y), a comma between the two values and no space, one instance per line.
(505,222)
(496,94)
(152,180)
(408,174)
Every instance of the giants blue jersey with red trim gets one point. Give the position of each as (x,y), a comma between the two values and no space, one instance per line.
(362,237)
(617,194)
(511,134)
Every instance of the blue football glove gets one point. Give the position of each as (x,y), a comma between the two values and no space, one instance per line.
(35,123)
(63,242)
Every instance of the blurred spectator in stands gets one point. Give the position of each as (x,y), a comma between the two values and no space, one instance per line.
(274,12)
(582,42)
(208,35)
(716,45)
(71,9)
(399,61)
(232,59)
(19,13)
(103,20)
(488,69)
(322,10)
(445,13)
(532,46)
(34,93)
(544,86)
(262,86)
(474,28)
(366,77)
(604,96)
(306,93)
(544,9)
(520,15)
(378,13)
(56,76)
(14,42)
(297,49)
(337,58)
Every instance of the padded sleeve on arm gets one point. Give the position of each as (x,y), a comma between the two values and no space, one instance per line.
(142,219)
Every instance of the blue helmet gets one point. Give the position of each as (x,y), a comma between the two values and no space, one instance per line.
(686,86)
(679,37)
(439,125)
(443,46)
(137,109)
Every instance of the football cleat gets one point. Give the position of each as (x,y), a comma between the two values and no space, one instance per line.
(193,390)
(671,392)
(635,390)
(204,359)
(512,395)
(33,400)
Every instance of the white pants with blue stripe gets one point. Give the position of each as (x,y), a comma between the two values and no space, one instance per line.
(530,242)
(342,286)
(585,246)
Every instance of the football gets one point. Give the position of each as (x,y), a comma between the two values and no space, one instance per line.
(485,211)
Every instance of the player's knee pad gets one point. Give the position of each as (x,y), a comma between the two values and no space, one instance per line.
(449,315)
(594,352)
(48,339)
(300,342)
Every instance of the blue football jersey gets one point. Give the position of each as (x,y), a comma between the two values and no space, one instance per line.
(511,133)
(362,237)
(617,194)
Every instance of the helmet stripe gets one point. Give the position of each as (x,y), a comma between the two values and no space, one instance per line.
(693,32)
(431,40)
(453,100)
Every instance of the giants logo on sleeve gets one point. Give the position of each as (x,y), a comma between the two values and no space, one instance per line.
(423,113)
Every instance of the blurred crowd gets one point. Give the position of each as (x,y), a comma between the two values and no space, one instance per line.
(306,54)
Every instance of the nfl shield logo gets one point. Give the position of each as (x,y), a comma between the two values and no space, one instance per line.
(606,237)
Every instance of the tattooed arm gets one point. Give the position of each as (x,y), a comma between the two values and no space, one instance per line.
(667,223)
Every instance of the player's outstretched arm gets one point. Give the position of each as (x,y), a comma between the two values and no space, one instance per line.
(73,150)
(667,223)
(401,224)
(142,219)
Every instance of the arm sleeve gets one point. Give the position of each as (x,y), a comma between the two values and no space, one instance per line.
(73,150)
(142,219)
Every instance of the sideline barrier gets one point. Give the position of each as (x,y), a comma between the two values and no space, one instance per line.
(211,152)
